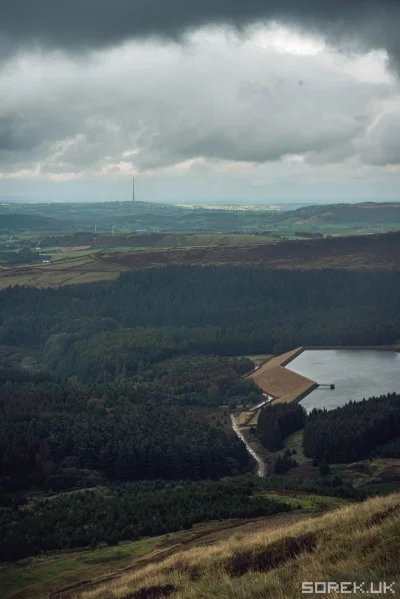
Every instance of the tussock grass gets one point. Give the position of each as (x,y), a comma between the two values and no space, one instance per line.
(359,542)
(243,417)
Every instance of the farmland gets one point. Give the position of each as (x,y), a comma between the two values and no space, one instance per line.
(170,240)
(351,253)
(80,270)
(371,252)
(125,217)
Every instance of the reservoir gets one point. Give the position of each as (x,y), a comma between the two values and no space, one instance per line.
(356,374)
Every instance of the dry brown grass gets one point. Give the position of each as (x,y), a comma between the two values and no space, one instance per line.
(364,252)
(80,270)
(243,417)
(282,383)
(253,420)
(283,359)
(356,543)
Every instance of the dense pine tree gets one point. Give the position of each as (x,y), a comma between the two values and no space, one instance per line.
(276,422)
(100,330)
(351,432)
(58,434)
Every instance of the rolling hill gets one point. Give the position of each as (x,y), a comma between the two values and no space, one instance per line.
(17,223)
(358,543)
(354,253)
(364,252)
(367,213)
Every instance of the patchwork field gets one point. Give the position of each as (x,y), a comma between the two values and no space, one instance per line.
(166,240)
(350,253)
(368,252)
(79,270)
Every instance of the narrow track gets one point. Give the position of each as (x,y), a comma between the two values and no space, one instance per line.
(260,462)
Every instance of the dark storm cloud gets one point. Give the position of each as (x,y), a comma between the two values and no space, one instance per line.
(60,113)
(16,134)
(86,24)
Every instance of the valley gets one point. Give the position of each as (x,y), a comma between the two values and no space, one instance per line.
(152,395)
(199,299)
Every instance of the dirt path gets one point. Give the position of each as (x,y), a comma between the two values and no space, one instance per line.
(64,587)
(180,542)
(260,462)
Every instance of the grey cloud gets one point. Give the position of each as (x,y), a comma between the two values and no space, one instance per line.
(381,146)
(83,116)
(17,134)
(77,25)
(262,122)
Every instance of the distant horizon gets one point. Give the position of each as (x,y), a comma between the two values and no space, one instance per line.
(269,111)
(216,202)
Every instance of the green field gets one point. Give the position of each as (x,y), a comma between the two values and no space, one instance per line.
(70,567)
(259,358)
(74,247)
(57,254)
(357,543)
(305,501)
(48,573)
(295,441)
(171,240)
(64,272)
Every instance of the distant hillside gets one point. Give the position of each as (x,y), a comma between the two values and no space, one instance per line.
(358,252)
(166,218)
(16,223)
(366,214)
(143,216)
(364,252)
(169,240)
(358,543)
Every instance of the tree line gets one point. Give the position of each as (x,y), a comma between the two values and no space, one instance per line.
(126,512)
(57,435)
(349,433)
(353,431)
(151,315)
(131,363)
(276,422)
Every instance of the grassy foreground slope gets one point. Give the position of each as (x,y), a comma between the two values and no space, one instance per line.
(69,573)
(358,543)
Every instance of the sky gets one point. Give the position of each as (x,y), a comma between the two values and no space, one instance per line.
(262,101)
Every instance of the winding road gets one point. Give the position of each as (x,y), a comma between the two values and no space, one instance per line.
(261,465)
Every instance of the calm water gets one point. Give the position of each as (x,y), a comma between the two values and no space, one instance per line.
(356,373)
